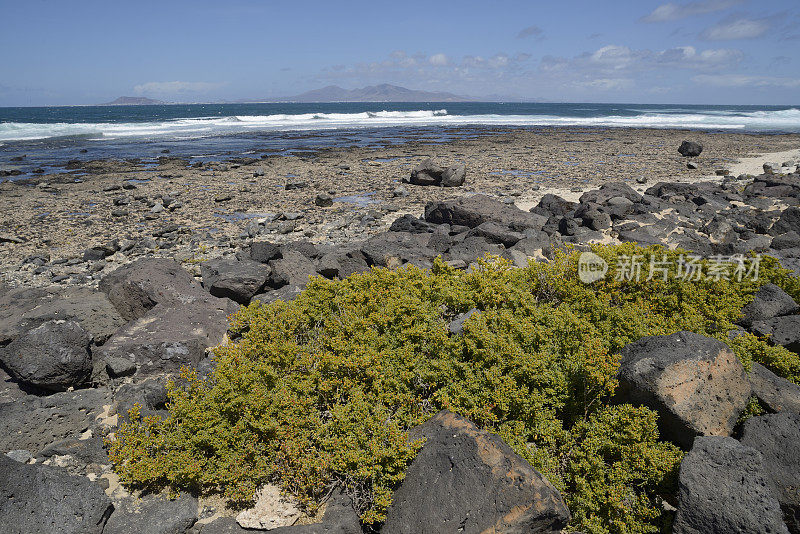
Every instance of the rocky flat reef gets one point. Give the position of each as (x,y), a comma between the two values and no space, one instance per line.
(117,274)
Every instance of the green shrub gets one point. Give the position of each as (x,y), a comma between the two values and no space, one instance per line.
(324,389)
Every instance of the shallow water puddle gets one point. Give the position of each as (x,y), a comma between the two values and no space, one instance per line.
(360,199)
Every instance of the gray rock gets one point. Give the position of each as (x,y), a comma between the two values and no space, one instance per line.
(593,216)
(608,191)
(324,200)
(777,438)
(169,337)
(789,221)
(264,251)
(690,149)
(236,280)
(24,310)
(413,225)
(776,393)
(496,233)
(54,356)
(552,205)
(37,499)
(786,332)
(392,249)
(695,383)
(137,287)
(293,268)
(428,173)
(475,210)
(790,239)
(723,488)
(119,367)
(770,301)
(456,326)
(32,423)
(473,248)
(468,480)
(20,455)
(153,514)
(286,293)
(150,395)
(454,176)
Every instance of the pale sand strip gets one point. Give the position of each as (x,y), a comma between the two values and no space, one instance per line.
(755,165)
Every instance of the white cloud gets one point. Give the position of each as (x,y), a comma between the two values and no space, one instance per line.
(607,84)
(671,11)
(438,60)
(689,57)
(736,28)
(612,61)
(175,88)
(530,31)
(740,80)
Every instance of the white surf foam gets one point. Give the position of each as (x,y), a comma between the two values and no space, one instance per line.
(784,120)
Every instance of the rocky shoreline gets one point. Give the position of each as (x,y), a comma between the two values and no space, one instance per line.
(192,213)
(131,274)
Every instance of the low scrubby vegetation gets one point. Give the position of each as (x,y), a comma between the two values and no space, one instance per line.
(324,389)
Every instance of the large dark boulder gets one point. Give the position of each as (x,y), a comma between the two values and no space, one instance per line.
(54,356)
(777,438)
(428,173)
(286,293)
(37,499)
(471,211)
(468,480)
(690,149)
(233,279)
(782,331)
(776,393)
(769,302)
(788,222)
(608,191)
(33,423)
(788,240)
(153,514)
(593,216)
(413,225)
(169,337)
(551,205)
(264,251)
(24,309)
(472,249)
(137,287)
(496,233)
(392,249)
(150,395)
(695,383)
(293,268)
(723,488)
(14,303)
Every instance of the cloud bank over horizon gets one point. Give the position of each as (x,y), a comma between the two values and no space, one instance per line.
(702,51)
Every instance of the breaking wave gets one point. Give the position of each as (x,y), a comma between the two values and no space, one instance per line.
(782,120)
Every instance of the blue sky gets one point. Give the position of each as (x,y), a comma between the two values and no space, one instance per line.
(57,52)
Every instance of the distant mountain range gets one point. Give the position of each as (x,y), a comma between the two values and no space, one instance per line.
(374,93)
(133,101)
(333,93)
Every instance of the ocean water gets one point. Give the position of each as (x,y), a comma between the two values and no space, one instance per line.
(49,136)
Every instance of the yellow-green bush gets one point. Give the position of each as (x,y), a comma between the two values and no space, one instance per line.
(324,389)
